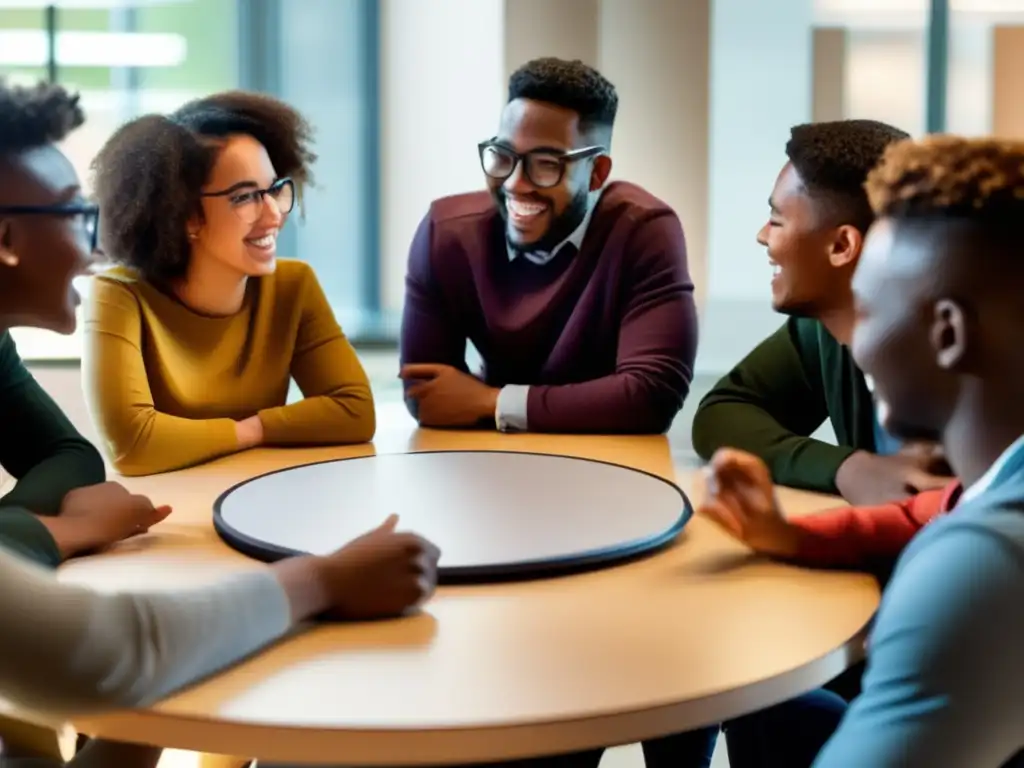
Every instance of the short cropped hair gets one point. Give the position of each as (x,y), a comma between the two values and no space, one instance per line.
(35,116)
(570,85)
(834,158)
(149,175)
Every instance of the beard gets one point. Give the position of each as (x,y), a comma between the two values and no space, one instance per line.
(561,227)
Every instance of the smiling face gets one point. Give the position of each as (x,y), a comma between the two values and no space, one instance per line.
(812,257)
(540,217)
(41,253)
(906,336)
(240,223)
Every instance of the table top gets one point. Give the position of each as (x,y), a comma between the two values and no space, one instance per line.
(494,515)
(699,632)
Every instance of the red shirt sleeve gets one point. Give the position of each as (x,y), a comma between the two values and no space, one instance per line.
(851,537)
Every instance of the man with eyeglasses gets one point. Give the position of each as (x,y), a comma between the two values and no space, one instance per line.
(574,291)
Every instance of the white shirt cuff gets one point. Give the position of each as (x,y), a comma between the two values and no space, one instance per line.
(510,413)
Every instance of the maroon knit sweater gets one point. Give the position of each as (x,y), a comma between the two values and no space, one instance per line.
(605,338)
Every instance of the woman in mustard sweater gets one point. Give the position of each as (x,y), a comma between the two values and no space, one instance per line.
(192,340)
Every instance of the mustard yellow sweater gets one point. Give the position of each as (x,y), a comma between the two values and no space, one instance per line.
(166,385)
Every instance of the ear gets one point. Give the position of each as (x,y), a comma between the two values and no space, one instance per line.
(193,228)
(600,173)
(8,258)
(948,335)
(846,246)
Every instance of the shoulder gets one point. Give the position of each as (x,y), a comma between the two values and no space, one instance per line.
(645,230)
(647,223)
(119,287)
(293,275)
(459,212)
(625,200)
(293,287)
(959,577)
(456,228)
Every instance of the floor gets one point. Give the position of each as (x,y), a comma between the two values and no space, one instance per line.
(63,383)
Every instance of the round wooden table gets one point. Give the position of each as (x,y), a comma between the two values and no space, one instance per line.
(700,632)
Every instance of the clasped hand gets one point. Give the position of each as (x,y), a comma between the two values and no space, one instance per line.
(448,397)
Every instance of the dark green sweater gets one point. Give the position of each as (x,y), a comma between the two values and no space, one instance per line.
(780,394)
(44,452)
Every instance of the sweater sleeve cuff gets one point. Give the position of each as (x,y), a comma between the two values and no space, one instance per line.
(510,414)
(813,466)
(22,533)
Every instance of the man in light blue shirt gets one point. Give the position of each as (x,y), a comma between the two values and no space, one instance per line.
(940,318)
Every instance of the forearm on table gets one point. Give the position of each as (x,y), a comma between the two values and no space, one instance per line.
(850,536)
(795,460)
(71,650)
(151,442)
(620,403)
(321,420)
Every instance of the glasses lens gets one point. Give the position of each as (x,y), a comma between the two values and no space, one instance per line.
(284,195)
(544,170)
(247,206)
(497,163)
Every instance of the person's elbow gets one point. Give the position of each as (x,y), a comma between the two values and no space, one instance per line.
(656,416)
(130,454)
(359,413)
(655,402)
(364,423)
(92,468)
(704,433)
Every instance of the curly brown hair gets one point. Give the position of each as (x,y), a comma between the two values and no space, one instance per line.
(149,174)
(34,116)
(950,177)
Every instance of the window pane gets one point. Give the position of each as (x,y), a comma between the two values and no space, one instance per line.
(861,44)
(125,59)
(985,90)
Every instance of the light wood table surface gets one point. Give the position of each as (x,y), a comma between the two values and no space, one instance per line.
(698,633)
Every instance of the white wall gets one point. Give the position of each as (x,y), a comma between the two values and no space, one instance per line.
(969,93)
(656,54)
(760,87)
(442,81)
(897,58)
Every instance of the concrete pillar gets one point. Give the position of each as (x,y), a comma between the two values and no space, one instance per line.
(656,53)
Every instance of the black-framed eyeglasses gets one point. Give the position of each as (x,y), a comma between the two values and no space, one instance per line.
(85,218)
(248,202)
(543,167)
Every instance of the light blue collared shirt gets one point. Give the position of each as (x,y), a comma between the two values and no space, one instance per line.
(510,413)
(946,657)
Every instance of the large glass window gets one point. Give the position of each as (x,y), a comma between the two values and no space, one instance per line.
(125,58)
(985,91)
